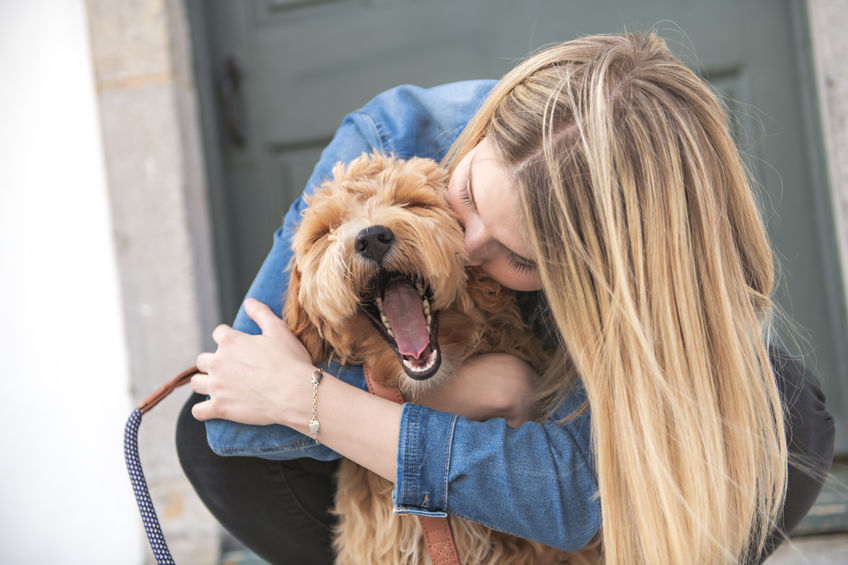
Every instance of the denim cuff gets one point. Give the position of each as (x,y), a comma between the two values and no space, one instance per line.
(421,485)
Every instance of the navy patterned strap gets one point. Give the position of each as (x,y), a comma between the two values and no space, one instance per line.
(142,495)
(139,484)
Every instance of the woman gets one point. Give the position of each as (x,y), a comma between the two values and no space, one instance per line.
(602,172)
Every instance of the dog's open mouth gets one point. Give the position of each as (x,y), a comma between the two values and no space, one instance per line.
(399,307)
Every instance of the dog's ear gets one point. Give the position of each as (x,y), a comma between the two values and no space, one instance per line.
(299,322)
(434,174)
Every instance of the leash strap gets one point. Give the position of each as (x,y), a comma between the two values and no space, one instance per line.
(440,543)
(142,494)
(437,533)
(139,483)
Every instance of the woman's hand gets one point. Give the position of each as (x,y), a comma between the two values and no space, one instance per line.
(491,385)
(254,379)
(265,379)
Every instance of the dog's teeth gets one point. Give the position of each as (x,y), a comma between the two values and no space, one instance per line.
(431,361)
(390,332)
(429,319)
(383,317)
(426,305)
(420,288)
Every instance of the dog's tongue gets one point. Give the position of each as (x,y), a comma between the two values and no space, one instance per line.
(402,306)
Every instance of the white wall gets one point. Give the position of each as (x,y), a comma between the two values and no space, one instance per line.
(64,493)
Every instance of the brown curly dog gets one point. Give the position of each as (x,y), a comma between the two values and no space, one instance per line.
(378,279)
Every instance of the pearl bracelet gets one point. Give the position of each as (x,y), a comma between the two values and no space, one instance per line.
(317,375)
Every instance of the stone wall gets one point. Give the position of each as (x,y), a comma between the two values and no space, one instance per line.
(147,103)
(828,22)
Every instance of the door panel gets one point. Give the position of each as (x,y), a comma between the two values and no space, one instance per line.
(305,64)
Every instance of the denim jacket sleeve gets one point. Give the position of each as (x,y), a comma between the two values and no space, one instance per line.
(537,481)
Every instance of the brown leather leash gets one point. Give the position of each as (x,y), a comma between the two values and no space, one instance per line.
(437,532)
(163,391)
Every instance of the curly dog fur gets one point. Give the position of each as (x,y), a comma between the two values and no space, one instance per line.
(380,230)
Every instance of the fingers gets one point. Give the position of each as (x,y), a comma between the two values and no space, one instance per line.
(211,407)
(267,321)
(202,411)
(222,332)
(200,383)
(204,362)
(203,384)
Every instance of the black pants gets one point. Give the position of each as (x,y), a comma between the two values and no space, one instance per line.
(280,509)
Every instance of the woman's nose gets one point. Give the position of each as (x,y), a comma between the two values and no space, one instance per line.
(475,243)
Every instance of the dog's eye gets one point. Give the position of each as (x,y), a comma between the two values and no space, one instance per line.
(317,233)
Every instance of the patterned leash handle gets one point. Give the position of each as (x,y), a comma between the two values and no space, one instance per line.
(139,483)
(142,494)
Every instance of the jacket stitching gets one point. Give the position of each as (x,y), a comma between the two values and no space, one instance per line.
(381,135)
(448,445)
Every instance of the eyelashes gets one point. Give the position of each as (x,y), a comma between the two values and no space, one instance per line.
(520,264)
(465,194)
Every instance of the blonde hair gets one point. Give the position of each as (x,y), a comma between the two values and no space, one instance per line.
(657,272)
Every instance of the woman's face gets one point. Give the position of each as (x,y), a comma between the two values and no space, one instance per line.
(482,194)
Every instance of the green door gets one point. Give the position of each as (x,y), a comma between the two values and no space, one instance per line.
(277,76)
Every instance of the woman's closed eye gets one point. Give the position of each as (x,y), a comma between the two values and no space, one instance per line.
(521,264)
(465,194)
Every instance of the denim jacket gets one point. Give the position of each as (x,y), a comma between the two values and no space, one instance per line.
(537,481)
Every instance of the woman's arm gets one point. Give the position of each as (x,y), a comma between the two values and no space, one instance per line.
(536,481)
(491,385)
(243,381)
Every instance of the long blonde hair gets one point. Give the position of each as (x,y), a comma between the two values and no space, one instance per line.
(657,271)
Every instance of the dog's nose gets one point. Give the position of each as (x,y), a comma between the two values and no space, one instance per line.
(374,242)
